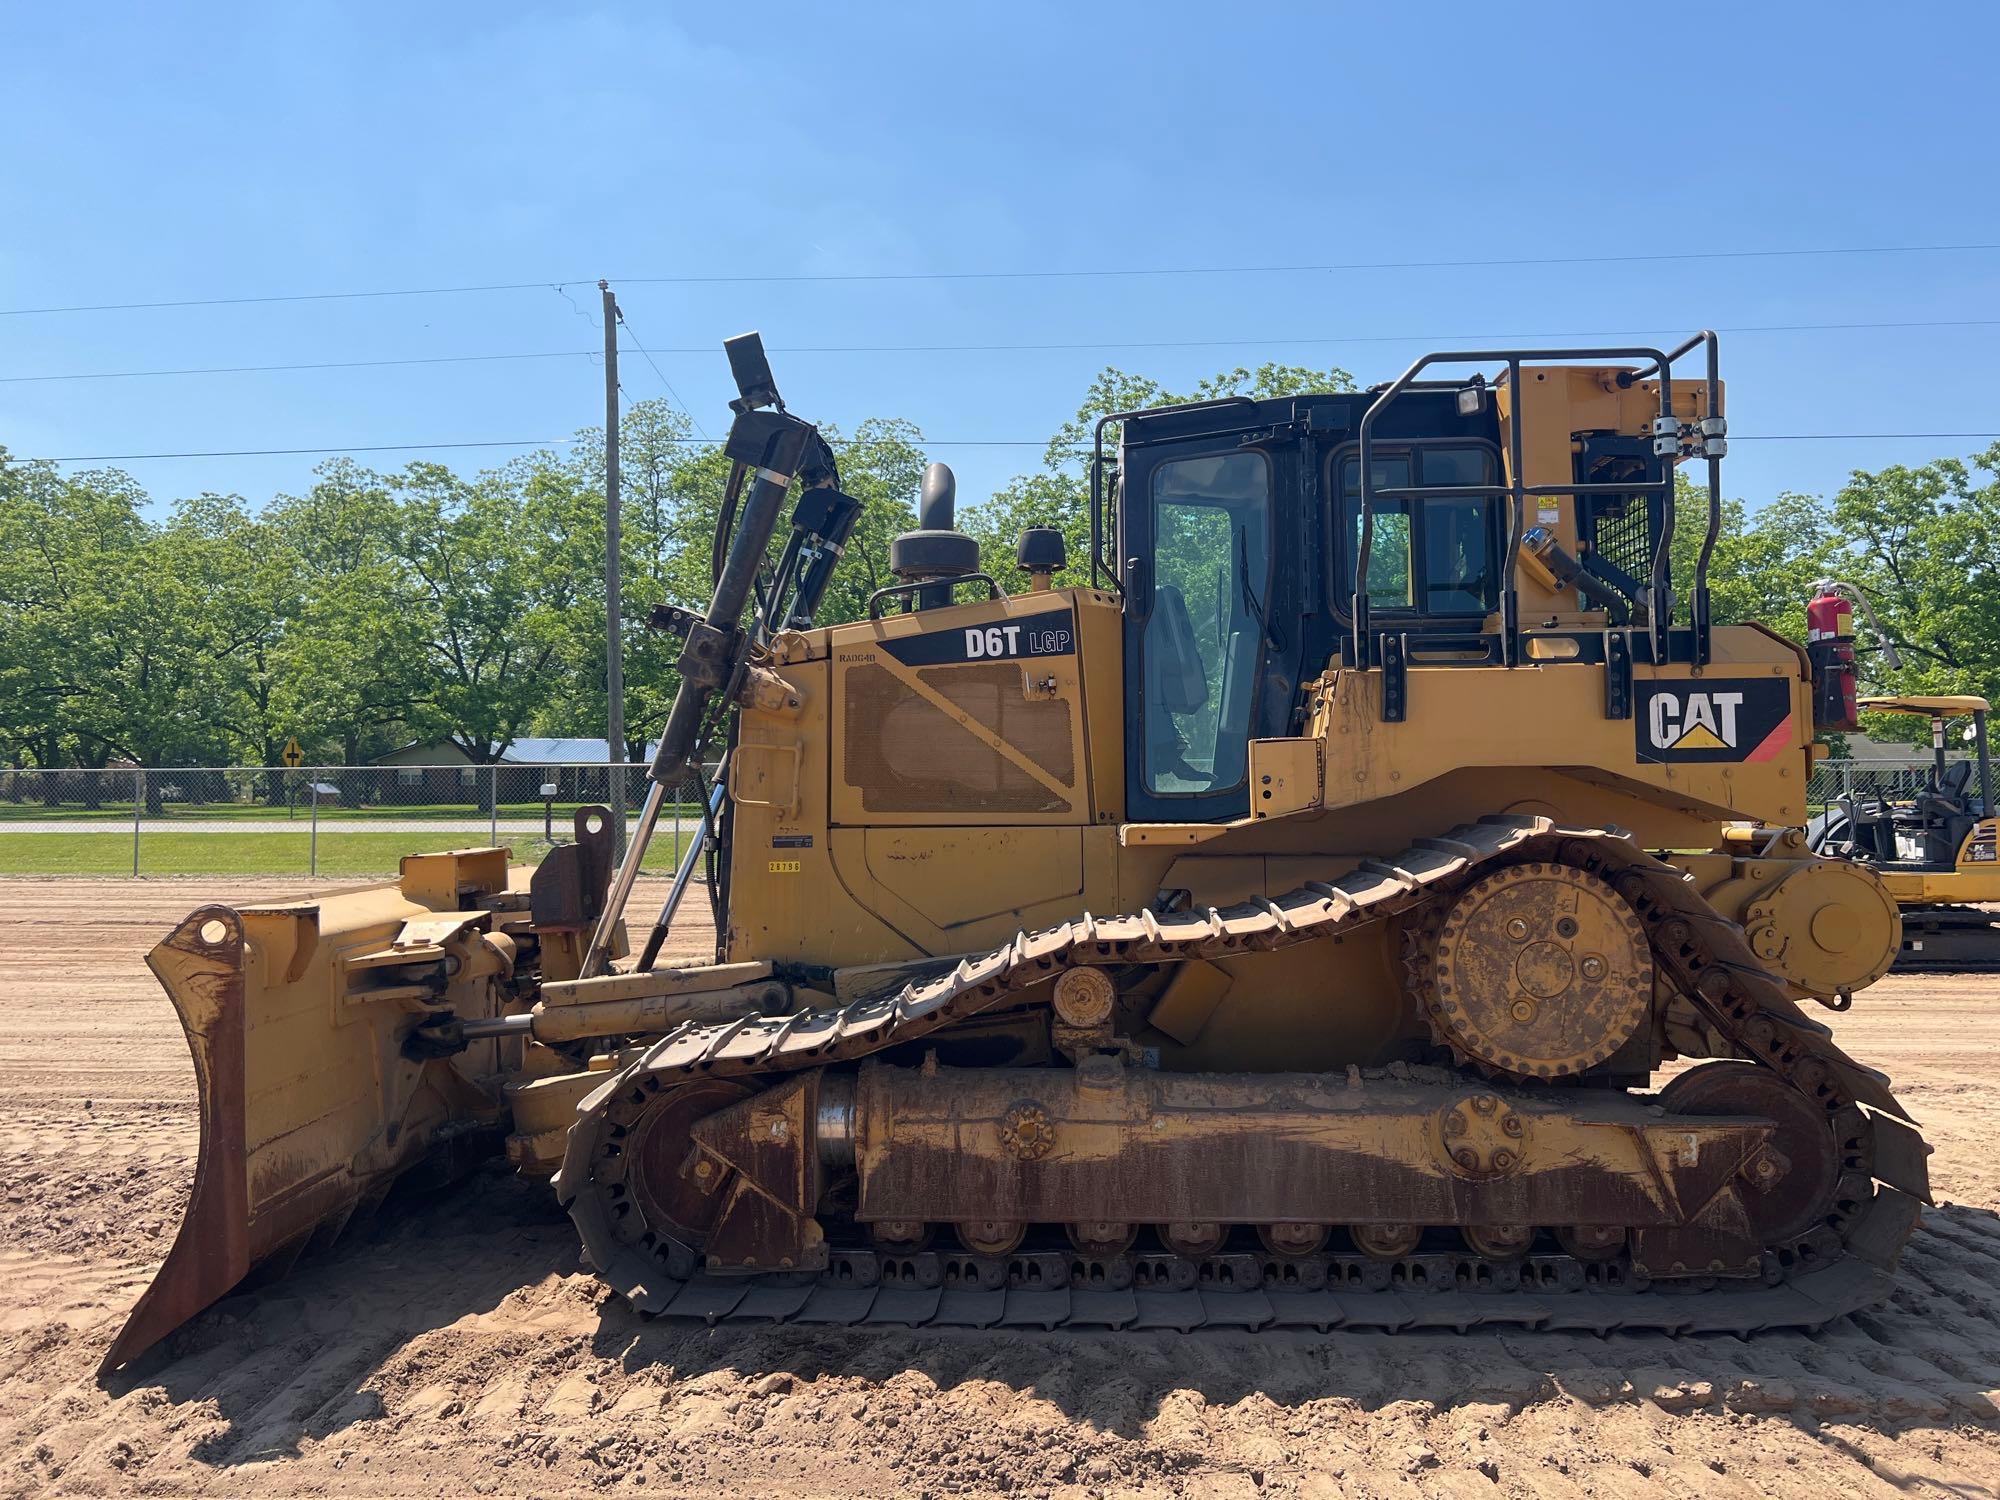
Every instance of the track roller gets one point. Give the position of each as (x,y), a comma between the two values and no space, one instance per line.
(1498,1241)
(1194,1239)
(1293,1239)
(1102,1237)
(1592,1241)
(1386,1241)
(903,1236)
(992,1236)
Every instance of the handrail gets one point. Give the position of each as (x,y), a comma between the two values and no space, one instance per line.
(894,590)
(1517,491)
(1714,445)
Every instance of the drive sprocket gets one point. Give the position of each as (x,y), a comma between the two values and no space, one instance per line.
(1538,970)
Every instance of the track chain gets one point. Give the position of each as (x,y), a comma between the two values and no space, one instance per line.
(1840,1266)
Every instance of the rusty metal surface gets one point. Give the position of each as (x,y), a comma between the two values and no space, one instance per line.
(1840,1265)
(1423,1144)
(312,1101)
(200,964)
(1796,1169)
(568,886)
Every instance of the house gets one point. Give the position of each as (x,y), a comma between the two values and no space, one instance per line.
(527,751)
(439,769)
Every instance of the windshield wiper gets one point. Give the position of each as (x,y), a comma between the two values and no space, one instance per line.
(1250,594)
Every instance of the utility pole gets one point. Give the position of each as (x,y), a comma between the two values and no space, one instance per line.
(614,645)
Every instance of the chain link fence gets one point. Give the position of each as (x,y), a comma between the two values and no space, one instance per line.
(313,820)
(361,820)
(1892,780)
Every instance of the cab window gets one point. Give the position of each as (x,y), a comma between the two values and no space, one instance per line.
(1204,637)
(1431,556)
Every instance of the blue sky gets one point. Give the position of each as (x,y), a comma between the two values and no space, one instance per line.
(161,152)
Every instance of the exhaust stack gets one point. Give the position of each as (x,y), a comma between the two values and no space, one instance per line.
(937,552)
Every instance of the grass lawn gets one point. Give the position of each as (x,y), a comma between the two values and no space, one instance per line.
(171,853)
(458,812)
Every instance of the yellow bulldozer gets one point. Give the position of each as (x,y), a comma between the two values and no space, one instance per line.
(1280,917)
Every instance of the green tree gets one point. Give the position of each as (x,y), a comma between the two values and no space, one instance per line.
(882,466)
(1765,561)
(64,544)
(663,480)
(351,667)
(496,568)
(1924,542)
(122,639)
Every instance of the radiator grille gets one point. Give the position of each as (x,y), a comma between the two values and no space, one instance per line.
(1622,540)
(904,754)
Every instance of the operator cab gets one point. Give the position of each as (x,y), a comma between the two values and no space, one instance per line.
(1239,530)
(1930,829)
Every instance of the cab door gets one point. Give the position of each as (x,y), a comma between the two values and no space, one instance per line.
(1198,534)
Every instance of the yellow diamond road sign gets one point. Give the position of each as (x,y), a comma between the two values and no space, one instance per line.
(294,756)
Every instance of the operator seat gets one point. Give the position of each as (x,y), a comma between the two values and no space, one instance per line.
(1174,684)
(1946,811)
(1872,828)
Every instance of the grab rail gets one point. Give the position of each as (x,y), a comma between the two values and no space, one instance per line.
(1667,441)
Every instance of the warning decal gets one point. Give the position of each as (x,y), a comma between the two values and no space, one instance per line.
(1714,719)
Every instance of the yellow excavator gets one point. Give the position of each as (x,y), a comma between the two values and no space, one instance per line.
(1289,920)
(1937,852)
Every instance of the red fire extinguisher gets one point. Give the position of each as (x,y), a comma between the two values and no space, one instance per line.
(1830,649)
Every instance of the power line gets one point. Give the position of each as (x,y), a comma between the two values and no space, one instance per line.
(686,410)
(411,291)
(82,458)
(338,364)
(1280,270)
(1758,437)
(97,458)
(1344,338)
(1108,345)
(1106,272)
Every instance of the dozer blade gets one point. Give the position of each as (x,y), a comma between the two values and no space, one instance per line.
(296,1017)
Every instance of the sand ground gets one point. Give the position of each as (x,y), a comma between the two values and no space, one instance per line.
(457,1348)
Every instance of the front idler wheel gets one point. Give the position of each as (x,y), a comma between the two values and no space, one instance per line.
(674,1183)
(1788,1186)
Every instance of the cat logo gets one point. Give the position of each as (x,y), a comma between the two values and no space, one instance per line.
(1700,721)
(1714,720)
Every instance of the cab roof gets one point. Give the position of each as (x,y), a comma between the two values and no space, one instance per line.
(1945,703)
(1423,412)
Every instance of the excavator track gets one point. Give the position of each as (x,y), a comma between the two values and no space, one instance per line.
(1839,1265)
